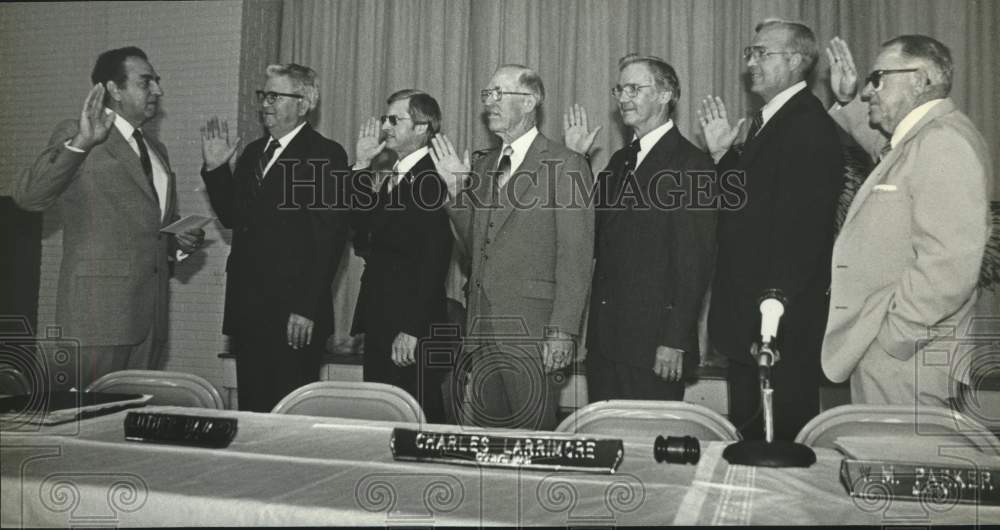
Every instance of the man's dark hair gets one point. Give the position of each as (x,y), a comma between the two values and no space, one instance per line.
(664,75)
(931,51)
(110,66)
(422,107)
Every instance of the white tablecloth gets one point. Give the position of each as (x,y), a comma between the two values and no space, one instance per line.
(297,470)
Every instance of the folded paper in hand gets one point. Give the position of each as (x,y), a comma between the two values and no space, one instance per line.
(184,224)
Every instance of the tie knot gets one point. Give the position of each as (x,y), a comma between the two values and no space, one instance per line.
(885,150)
(137,134)
(508,150)
(635,146)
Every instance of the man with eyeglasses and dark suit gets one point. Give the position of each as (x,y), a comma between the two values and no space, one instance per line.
(525,228)
(289,231)
(781,238)
(406,235)
(655,243)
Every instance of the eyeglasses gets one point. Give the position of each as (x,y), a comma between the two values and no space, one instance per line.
(496,93)
(875,78)
(272,97)
(759,52)
(630,90)
(393,119)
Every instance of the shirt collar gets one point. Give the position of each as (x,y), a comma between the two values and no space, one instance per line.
(523,142)
(910,120)
(649,139)
(772,107)
(287,139)
(406,163)
(124,127)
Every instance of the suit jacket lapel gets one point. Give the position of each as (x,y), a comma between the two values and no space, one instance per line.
(169,205)
(118,147)
(880,171)
(515,188)
(752,147)
(660,157)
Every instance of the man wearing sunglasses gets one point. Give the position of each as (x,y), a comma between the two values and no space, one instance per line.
(781,238)
(906,262)
(525,228)
(642,332)
(287,237)
(406,239)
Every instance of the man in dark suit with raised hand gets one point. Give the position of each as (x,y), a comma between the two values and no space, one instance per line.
(654,245)
(782,237)
(288,235)
(114,189)
(408,239)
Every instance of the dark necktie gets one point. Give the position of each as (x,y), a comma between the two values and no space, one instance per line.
(631,156)
(503,173)
(147,164)
(755,124)
(883,153)
(272,146)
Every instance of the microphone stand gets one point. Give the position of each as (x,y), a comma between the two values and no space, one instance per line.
(768,452)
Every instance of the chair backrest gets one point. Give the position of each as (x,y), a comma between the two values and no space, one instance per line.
(352,399)
(12,381)
(935,424)
(650,418)
(167,388)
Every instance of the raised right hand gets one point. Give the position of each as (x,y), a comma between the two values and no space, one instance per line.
(843,75)
(719,134)
(215,146)
(575,132)
(368,146)
(95,124)
(453,171)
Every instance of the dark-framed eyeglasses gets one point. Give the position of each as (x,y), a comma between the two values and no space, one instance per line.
(759,52)
(393,119)
(630,90)
(496,93)
(272,97)
(875,78)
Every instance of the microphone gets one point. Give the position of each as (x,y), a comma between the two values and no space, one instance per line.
(772,307)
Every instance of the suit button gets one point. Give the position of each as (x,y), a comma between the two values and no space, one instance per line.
(478,283)
(491,224)
(604,302)
(487,241)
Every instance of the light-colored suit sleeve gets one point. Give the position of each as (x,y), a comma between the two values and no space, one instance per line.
(39,186)
(950,228)
(853,118)
(574,247)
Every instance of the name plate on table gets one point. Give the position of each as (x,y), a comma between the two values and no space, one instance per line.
(180,429)
(927,483)
(547,452)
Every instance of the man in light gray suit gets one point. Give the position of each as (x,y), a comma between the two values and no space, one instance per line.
(907,259)
(522,222)
(114,190)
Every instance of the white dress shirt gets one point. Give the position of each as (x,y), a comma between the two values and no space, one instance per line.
(519,149)
(772,107)
(649,140)
(284,141)
(910,120)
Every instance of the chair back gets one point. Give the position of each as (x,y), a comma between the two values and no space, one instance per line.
(352,399)
(167,388)
(934,424)
(620,417)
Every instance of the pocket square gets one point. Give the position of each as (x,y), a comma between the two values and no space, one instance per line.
(884,187)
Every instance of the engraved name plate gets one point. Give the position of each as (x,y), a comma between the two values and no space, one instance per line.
(543,452)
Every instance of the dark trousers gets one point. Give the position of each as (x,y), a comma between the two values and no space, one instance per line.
(795,398)
(422,380)
(268,369)
(608,379)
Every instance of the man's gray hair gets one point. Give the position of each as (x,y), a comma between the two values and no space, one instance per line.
(932,51)
(530,80)
(802,41)
(302,77)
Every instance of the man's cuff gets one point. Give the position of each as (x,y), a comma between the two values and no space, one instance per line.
(72,148)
